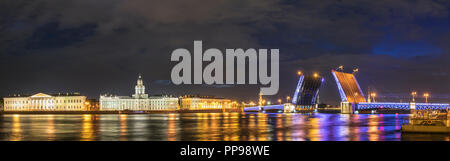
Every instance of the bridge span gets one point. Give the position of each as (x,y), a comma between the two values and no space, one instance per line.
(401,106)
(352,97)
(271,108)
(306,97)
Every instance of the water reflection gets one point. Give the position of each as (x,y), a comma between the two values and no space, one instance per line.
(373,128)
(354,120)
(123,127)
(87,132)
(208,127)
(172,128)
(51,127)
(16,129)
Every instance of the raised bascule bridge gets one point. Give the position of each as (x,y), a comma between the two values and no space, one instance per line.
(353,100)
(306,97)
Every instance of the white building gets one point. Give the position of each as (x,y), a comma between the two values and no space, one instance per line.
(163,103)
(45,102)
(140,101)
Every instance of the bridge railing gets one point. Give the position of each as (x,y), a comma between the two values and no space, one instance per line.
(401,106)
(263,108)
(431,106)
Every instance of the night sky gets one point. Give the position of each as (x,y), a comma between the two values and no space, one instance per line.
(97,47)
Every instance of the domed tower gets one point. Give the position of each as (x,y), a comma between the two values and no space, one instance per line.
(140,89)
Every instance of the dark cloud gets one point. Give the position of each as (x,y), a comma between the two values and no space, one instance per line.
(95,47)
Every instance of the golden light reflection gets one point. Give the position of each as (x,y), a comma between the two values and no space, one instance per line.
(314,132)
(373,128)
(261,120)
(87,132)
(202,126)
(251,125)
(171,130)
(234,126)
(279,126)
(16,129)
(214,126)
(226,127)
(51,127)
(123,127)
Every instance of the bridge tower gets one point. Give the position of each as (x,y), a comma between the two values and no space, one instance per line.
(260,101)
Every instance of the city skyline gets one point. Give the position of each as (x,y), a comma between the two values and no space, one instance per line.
(396,98)
(98,47)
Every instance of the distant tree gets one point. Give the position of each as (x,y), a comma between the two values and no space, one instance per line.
(1,103)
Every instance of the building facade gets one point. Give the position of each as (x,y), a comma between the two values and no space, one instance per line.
(164,103)
(45,102)
(204,103)
(140,101)
(120,103)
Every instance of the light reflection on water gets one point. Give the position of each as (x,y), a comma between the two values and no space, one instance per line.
(207,127)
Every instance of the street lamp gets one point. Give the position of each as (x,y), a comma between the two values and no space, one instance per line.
(316,75)
(299,73)
(279,101)
(288,98)
(414,94)
(426,95)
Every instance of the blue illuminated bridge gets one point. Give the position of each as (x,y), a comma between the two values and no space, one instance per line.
(305,96)
(270,108)
(401,106)
(352,98)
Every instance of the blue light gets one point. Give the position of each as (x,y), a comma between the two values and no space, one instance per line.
(403,106)
(341,91)
(297,90)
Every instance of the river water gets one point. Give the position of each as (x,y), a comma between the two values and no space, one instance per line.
(207,127)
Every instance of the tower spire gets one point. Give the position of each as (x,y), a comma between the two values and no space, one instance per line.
(140,88)
(139,81)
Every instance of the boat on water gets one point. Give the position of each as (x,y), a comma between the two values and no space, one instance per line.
(428,121)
